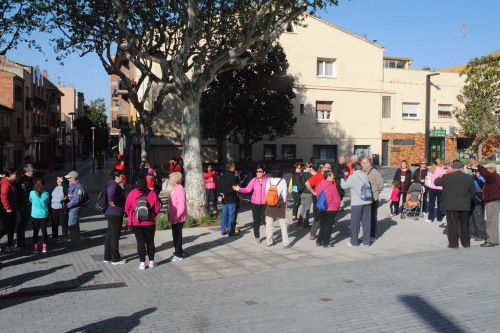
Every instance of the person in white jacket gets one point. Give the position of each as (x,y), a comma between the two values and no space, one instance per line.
(278,188)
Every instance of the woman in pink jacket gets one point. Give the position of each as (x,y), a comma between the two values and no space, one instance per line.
(258,186)
(435,192)
(327,186)
(211,187)
(144,230)
(177,213)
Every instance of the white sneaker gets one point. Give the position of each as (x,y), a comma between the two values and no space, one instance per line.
(349,244)
(121,262)
(428,221)
(106,261)
(176,258)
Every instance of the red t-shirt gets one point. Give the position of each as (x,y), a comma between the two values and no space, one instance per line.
(177,168)
(150,182)
(316,180)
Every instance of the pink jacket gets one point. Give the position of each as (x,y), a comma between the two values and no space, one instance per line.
(259,190)
(439,171)
(131,202)
(331,194)
(177,212)
(394,195)
(210,180)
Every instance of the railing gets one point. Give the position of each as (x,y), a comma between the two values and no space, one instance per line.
(122,122)
(29,103)
(41,130)
(53,132)
(5,134)
(54,108)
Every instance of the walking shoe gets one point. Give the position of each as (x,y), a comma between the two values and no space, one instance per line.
(35,249)
(287,246)
(106,261)
(349,244)
(121,262)
(392,215)
(487,244)
(152,264)
(176,258)
(318,244)
(223,233)
(366,245)
(312,237)
(295,221)
(44,248)
(428,221)
(142,265)
(373,239)
(12,248)
(257,240)
(478,239)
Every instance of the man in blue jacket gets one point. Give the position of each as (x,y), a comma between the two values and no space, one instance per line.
(477,225)
(75,197)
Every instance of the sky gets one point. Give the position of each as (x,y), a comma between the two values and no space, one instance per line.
(427,31)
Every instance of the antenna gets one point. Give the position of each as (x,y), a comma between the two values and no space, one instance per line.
(364,35)
(464,35)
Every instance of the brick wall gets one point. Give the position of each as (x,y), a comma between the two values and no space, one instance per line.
(491,146)
(6,89)
(413,153)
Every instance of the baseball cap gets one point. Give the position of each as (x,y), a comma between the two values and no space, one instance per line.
(490,166)
(72,174)
(474,167)
(457,165)
(150,170)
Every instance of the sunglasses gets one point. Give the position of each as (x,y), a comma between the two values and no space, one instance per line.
(260,171)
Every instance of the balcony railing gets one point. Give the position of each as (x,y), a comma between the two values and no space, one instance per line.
(114,93)
(41,130)
(53,132)
(5,134)
(122,122)
(54,108)
(120,89)
(29,103)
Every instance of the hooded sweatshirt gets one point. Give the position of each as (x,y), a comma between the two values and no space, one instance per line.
(354,184)
(259,190)
(131,203)
(8,194)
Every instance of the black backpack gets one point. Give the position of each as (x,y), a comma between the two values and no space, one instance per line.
(85,200)
(102,200)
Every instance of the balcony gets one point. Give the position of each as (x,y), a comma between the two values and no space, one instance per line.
(5,134)
(122,122)
(54,108)
(52,132)
(29,103)
(114,94)
(40,103)
(120,89)
(41,130)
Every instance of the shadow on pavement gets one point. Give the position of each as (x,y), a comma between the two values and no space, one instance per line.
(122,323)
(17,280)
(426,311)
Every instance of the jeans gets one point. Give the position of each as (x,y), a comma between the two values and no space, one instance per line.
(39,224)
(145,237)
(477,226)
(296,203)
(458,221)
(74,224)
(492,213)
(228,218)
(433,196)
(259,216)
(9,226)
(360,214)
(59,218)
(305,211)
(213,194)
(269,230)
(373,220)
(325,231)
(111,244)
(24,218)
(177,236)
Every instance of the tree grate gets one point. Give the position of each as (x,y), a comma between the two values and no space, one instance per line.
(44,292)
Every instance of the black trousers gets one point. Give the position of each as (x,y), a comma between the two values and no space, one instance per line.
(477,226)
(59,218)
(340,190)
(402,199)
(458,227)
(145,237)
(212,193)
(24,218)
(317,217)
(373,228)
(394,207)
(327,221)
(39,224)
(8,226)
(177,236)
(259,217)
(111,244)
(296,203)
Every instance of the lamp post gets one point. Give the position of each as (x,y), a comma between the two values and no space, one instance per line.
(1,139)
(428,113)
(93,158)
(73,114)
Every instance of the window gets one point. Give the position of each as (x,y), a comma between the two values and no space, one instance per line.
(289,152)
(386,106)
(323,111)
(410,110)
(269,152)
(302,111)
(290,27)
(326,68)
(444,111)
(27,122)
(323,153)
(242,153)
(18,93)
(19,125)
(401,64)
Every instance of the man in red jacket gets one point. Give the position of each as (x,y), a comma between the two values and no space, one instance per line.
(491,198)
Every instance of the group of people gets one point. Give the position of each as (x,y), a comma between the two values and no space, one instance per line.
(461,193)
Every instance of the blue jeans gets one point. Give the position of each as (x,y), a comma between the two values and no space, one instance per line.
(433,195)
(227,219)
(74,224)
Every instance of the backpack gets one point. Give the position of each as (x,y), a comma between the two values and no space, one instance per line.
(102,200)
(85,200)
(322,203)
(272,196)
(428,180)
(366,191)
(142,208)
(302,185)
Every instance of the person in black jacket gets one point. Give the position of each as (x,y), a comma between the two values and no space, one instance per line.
(229,200)
(296,190)
(458,192)
(403,176)
(24,187)
(419,177)
(339,170)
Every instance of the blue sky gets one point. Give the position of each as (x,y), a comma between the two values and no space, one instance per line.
(422,30)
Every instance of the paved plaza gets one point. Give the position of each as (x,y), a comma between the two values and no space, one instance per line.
(407,281)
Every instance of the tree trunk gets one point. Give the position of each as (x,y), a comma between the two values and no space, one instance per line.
(195,184)
(145,140)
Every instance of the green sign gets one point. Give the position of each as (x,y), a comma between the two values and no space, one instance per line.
(452,132)
(438,132)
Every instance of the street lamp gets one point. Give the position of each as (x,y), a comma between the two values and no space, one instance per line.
(73,114)
(428,113)
(93,158)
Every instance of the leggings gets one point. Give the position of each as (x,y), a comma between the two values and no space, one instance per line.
(37,225)
(394,207)
(296,203)
(259,217)
(213,194)
(9,225)
(59,218)
(145,236)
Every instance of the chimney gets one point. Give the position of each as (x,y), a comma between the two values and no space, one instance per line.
(44,73)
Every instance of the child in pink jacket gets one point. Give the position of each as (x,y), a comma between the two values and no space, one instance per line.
(177,213)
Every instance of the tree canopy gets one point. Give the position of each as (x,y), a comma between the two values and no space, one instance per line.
(250,104)
(96,118)
(480,97)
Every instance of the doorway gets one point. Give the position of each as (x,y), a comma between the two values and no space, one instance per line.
(385,152)
(437,149)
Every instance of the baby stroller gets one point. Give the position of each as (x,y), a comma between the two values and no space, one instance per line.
(413,204)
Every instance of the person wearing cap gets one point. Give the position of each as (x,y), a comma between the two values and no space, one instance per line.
(120,165)
(150,179)
(458,192)
(477,226)
(75,196)
(24,187)
(491,198)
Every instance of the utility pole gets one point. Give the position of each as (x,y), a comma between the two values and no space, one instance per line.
(428,114)
(464,35)
(73,114)
(93,158)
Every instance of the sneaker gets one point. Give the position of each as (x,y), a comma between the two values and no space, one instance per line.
(152,264)
(366,245)
(327,246)
(318,244)
(106,261)
(392,215)
(13,248)
(287,246)
(257,240)
(428,221)
(121,262)
(349,244)
(142,265)
(223,233)
(35,249)
(66,240)
(372,239)
(269,245)
(176,258)
(44,248)
(295,221)
(312,237)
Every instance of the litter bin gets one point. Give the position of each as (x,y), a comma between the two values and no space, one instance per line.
(376,159)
